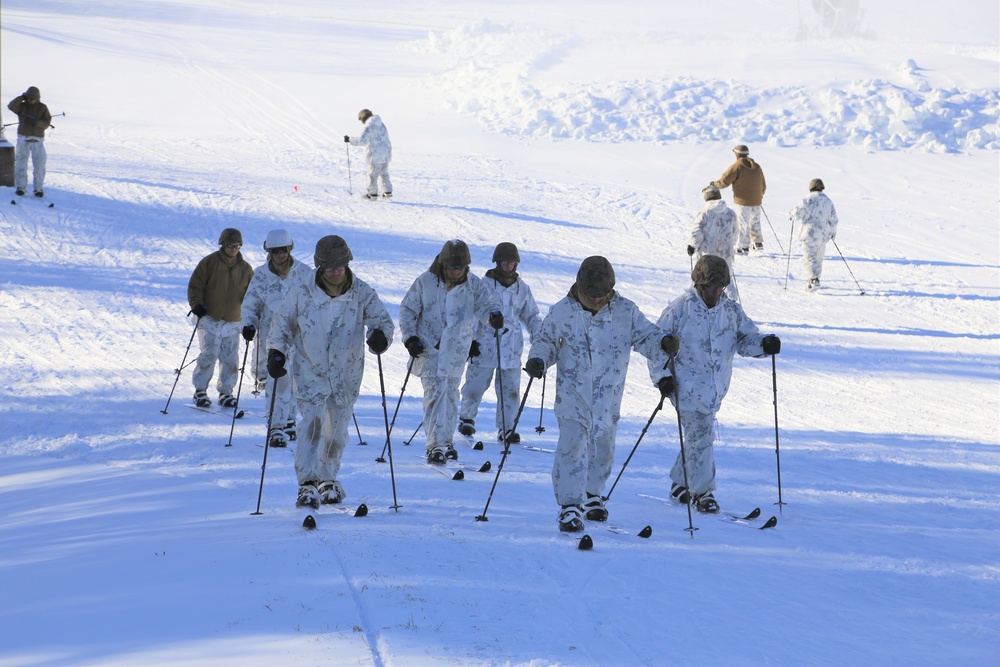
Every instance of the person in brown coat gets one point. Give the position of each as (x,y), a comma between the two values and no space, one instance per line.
(747,179)
(33,118)
(215,294)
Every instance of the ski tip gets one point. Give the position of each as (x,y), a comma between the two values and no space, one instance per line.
(361,511)
(239,415)
(753,514)
(309,523)
(770,523)
(458,475)
(14,202)
(478,446)
(485,467)
(53,205)
(646,532)
(586,543)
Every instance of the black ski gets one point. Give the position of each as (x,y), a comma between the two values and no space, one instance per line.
(727,517)
(50,204)
(222,412)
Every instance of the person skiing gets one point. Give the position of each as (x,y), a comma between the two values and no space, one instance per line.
(215,293)
(715,232)
(747,179)
(589,335)
(320,327)
(817,218)
(518,307)
(269,287)
(438,318)
(378,153)
(33,118)
(712,329)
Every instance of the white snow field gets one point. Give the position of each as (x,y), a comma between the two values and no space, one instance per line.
(571,128)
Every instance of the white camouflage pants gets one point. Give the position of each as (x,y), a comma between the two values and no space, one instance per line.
(477,379)
(748,220)
(219,342)
(322,437)
(813,251)
(584,457)
(698,438)
(375,172)
(33,147)
(440,410)
(284,399)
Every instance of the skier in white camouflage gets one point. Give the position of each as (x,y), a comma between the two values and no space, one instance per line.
(378,153)
(269,287)
(438,319)
(321,328)
(518,307)
(715,232)
(712,329)
(589,335)
(817,218)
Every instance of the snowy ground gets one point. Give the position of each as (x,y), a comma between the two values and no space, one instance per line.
(570,128)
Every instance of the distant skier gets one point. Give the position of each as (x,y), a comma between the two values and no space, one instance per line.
(712,329)
(817,220)
(269,288)
(215,292)
(589,336)
(33,118)
(378,153)
(438,319)
(747,179)
(715,232)
(320,328)
(518,307)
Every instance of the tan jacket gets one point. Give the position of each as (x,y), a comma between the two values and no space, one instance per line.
(32,119)
(747,179)
(220,283)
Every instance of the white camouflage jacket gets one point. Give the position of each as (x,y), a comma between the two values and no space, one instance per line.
(328,337)
(375,139)
(445,321)
(518,306)
(715,231)
(591,353)
(267,291)
(817,218)
(709,339)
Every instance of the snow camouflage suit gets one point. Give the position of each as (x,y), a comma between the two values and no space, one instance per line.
(445,321)
(709,338)
(264,297)
(817,218)
(324,338)
(518,306)
(749,186)
(378,153)
(591,353)
(714,233)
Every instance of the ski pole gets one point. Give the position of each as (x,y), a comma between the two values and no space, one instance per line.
(256,367)
(415,431)
(788,264)
(361,443)
(772,229)
(541,408)
(847,265)
(680,434)
(503,459)
(388,432)
(409,368)
(263,466)
(350,186)
(177,371)
(237,413)
(503,412)
(777,448)
(659,407)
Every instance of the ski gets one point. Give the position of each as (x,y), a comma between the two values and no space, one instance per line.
(50,204)
(726,518)
(454,469)
(533,448)
(360,511)
(644,533)
(222,412)
(473,444)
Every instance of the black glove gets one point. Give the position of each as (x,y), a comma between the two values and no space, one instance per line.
(496,319)
(413,346)
(200,310)
(535,367)
(474,350)
(347,139)
(249,331)
(670,344)
(690,251)
(771,344)
(666,385)
(377,342)
(276,364)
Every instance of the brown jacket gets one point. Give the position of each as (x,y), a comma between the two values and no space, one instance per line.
(747,179)
(32,119)
(220,283)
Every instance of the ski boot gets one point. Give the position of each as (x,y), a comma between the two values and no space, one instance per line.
(331,493)
(308,496)
(706,503)
(277,438)
(227,400)
(436,455)
(680,494)
(571,519)
(290,430)
(512,438)
(467,427)
(594,507)
(201,399)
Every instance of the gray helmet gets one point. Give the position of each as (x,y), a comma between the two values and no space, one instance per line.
(710,192)
(596,276)
(741,150)
(710,271)
(816,185)
(506,252)
(364,115)
(230,235)
(332,252)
